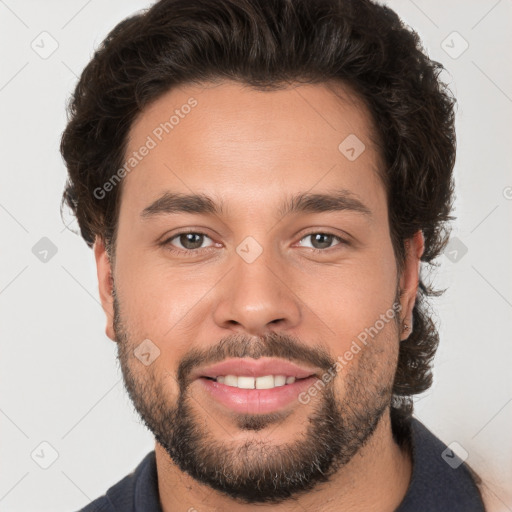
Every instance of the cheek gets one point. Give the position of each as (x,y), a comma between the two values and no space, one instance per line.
(168,302)
(160,301)
(356,299)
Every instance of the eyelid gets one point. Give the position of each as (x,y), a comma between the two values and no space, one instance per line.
(341,240)
(167,241)
(190,252)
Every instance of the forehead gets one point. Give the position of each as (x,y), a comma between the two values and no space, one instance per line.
(228,139)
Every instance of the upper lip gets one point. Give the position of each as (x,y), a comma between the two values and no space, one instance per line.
(254,368)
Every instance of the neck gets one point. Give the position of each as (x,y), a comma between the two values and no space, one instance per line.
(376,479)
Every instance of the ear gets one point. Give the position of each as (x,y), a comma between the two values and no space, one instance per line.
(105,284)
(409,279)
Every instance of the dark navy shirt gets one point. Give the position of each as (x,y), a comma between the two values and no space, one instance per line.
(438,482)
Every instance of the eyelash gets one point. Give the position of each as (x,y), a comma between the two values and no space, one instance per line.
(193,252)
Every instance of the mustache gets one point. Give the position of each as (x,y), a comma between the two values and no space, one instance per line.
(268,345)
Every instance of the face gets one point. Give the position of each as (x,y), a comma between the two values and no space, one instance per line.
(257,322)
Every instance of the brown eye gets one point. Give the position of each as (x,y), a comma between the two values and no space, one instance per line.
(322,241)
(191,240)
(186,243)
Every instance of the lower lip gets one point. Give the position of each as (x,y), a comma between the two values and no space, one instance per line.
(256,401)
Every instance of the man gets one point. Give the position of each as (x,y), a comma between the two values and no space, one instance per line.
(260,181)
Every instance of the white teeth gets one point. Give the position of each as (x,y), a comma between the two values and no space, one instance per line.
(246,382)
(231,380)
(279,380)
(264,382)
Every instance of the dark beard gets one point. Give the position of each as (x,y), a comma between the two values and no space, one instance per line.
(259,471)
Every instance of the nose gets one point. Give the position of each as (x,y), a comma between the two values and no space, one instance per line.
(256,297)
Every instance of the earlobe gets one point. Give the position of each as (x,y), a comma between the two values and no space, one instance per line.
(105,284)
(409,280)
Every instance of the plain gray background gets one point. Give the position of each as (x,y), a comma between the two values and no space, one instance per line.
(60,382)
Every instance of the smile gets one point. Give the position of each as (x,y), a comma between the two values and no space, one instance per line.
(255,386)
(249,382)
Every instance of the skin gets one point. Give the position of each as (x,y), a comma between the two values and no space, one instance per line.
(253,149)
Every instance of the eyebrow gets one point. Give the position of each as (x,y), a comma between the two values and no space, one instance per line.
(304,202)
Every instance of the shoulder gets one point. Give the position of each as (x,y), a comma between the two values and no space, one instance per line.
(101,504)
(494,495)
(137,488)
(440,479)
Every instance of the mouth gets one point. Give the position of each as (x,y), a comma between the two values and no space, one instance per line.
(249,382)
(255,386)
